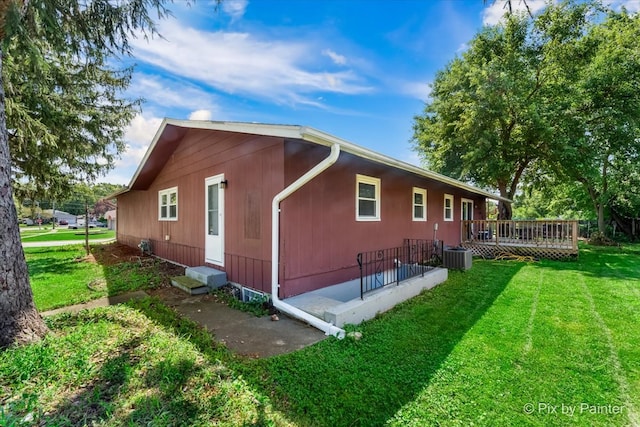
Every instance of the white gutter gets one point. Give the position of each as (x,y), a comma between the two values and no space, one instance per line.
(327,328)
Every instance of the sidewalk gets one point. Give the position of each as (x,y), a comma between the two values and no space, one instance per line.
(65,243)
(241,332)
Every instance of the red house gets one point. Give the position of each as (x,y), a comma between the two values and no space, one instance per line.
(283,210)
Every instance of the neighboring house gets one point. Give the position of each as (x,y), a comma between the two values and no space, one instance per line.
(234,196)
(110,216)
(61,216)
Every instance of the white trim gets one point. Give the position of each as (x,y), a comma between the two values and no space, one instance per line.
(364,179)
(462,202)
(423,193)
(212,180)
(451,208)
(306,134)
(167,192)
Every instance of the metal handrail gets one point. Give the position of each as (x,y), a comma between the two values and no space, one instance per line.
(384,267)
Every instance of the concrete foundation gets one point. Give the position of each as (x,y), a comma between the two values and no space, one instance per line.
(331,305)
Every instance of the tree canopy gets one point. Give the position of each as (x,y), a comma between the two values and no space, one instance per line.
(65,110)
(61,115)
(554,96)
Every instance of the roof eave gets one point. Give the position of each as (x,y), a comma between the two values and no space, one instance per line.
(307,134)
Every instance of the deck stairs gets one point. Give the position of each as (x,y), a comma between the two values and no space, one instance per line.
(200,280)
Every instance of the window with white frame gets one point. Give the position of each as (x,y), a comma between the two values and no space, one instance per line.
(367,198)
(419,204)
(168,204)
(448,207)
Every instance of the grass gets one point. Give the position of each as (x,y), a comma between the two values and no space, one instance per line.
(64,235)
(58,278)
(125,366)
(505,343)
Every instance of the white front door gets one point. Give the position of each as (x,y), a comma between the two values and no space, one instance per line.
(214,220)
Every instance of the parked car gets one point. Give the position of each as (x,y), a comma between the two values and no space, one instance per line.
(63,222)
(79,225)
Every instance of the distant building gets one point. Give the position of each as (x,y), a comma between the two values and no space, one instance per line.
(110,216)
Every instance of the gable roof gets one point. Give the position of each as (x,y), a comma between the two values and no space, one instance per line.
(171,131)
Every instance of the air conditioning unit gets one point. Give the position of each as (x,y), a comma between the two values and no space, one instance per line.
(457,259)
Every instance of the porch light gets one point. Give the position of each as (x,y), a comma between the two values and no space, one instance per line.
(223,184)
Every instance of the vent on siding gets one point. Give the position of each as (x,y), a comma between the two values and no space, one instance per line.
(252,216)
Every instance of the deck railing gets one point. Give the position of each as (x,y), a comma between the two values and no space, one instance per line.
(557,234)
(390,266)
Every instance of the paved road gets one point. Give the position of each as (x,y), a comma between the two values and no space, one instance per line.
(65,243)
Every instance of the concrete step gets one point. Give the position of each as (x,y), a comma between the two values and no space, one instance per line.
(207,276)
(189,285)
(313,304)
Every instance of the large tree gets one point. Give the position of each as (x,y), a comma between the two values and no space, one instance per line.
(600,123)
(554,95)
(484,122)
(58,129)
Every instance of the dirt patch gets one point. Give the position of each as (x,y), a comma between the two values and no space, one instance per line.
(116,253)
(88,258)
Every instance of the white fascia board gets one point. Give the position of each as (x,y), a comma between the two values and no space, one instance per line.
(311,135)
(318,137)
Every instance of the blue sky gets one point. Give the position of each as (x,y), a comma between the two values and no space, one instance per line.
(357,69)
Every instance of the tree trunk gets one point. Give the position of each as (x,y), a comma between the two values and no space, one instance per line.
(20,322)
(505,211)
(601,224)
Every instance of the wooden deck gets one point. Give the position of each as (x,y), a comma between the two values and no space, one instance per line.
(551,239)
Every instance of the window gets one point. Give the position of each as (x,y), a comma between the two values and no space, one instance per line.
(367,198)
(168,204)
(448,207)
(419,204)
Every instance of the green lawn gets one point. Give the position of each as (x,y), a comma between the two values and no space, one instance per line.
(65,234)
(506,343)
(59,278)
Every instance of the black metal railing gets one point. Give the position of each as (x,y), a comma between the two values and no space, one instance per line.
(388,266)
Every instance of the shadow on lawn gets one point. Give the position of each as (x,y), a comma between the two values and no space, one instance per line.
(366,382)
(604,262)
(53,264)
(162,402)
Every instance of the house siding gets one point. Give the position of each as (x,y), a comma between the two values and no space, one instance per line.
(320,234)
(252,166)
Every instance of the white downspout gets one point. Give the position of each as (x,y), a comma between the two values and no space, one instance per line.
(327,328)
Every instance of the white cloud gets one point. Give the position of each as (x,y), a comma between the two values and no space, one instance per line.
(278,70)
(493,13)
(138,136)
(141,130)
(632,6)
(171,94)
(200,115)
(116,177)
(335,57)
(235,8)
(420,90)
